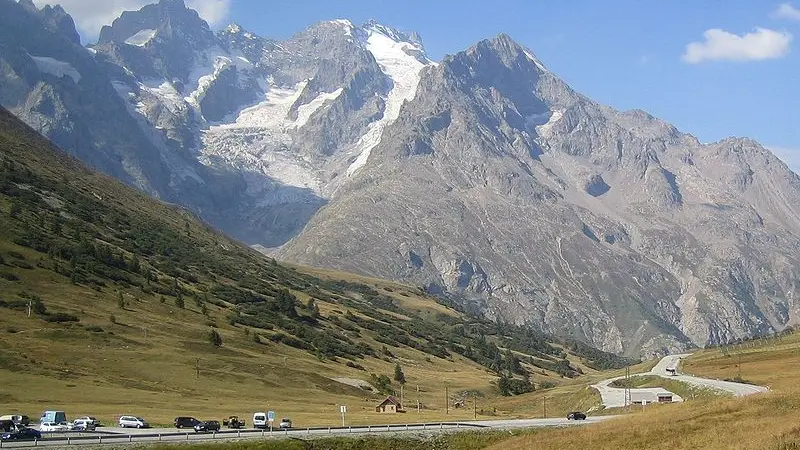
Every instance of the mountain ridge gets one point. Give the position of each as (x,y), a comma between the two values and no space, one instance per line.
(483,176)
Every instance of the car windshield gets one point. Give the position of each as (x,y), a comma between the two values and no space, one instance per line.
(259,417)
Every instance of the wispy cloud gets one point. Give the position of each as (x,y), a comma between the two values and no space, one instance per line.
(91,15)
(787,11)
(720,45)
(788,155)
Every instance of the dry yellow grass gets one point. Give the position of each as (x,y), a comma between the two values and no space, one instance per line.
(145,364)
(766,421)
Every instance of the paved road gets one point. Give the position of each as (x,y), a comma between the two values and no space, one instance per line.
(117,436)
(737,389)
(615,397)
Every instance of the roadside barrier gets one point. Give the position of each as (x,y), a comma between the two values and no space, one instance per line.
(109,438)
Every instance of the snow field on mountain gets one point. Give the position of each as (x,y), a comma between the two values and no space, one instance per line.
(56,68)
(403,69)
(304,112)
(141,38)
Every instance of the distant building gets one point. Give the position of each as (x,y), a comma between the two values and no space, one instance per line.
(647,397)
(389,405)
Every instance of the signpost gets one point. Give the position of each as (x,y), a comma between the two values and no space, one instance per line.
(270,418)
(343,410)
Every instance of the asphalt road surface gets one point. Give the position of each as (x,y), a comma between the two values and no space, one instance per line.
(118,436)
(615,397)
(737,389)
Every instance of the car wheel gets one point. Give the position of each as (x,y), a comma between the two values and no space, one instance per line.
(138,426)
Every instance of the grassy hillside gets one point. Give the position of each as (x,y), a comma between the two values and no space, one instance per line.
(112,303)
(766,421)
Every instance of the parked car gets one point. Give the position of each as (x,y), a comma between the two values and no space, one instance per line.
(89,419)
(208,425)
(22,434)
(16,419)
(233,422)
(187,422)
(7,425)
(83,425)
(53,416)
(53,427)
(260,420)
(285,423)
(132,422)
(576,415)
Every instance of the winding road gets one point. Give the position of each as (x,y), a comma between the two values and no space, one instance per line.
(615,397)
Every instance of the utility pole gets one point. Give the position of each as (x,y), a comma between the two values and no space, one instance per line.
(30,304)
(544,406)
(740,365)
(418,403)
(475,406)
(401,394)
(628,387)
(446,401)
(197,368)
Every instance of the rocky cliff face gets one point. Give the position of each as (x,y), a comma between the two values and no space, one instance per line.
(483,177)
(501,185)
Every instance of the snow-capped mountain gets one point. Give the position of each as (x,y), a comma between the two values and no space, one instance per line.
(483,177)
(295,119)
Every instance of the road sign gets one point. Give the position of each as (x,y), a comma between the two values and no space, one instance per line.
(271,416)
(343,409)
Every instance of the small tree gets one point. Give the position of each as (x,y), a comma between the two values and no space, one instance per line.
(120,300)
(179,302)
(112,318)
(312,308)
(399,376)
(135,265)
(203,309)
(16,209)
(214,338)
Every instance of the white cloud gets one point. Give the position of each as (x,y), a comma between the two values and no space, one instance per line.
(760,44)
(787,11)
(213,11)
(91,15)
(790,156)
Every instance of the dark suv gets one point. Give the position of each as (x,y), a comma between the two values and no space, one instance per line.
(187,422)
(208,425)
(576,415)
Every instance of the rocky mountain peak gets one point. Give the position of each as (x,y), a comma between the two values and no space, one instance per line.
(55,19)
(169,18)
(394,34)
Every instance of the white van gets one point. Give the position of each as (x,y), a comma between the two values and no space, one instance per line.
(260,420)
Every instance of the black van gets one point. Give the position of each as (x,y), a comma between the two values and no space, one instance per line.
(188,422)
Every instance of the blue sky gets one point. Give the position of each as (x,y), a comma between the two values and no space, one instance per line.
(736,80)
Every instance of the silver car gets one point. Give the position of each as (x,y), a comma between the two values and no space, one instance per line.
(83,425)
(132,422)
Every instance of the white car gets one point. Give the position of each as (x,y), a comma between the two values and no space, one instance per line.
(132,422)
(87,419)
(83,425)
(260,420)
(50,427)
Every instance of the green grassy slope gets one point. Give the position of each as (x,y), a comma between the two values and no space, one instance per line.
(137,307)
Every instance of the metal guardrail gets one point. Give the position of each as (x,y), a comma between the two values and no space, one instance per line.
(114,438)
